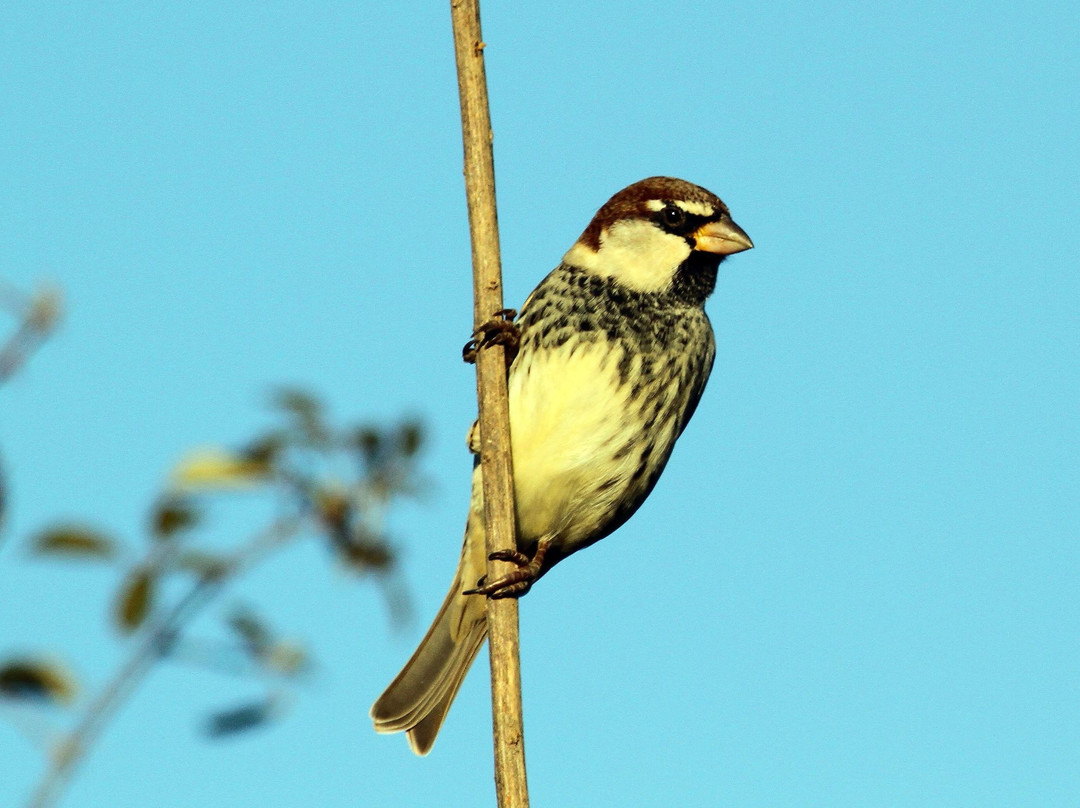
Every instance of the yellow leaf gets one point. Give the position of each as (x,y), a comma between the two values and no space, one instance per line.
(74,541)
(136,596)
(214,468)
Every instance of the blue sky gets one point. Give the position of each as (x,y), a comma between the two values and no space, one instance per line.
(856,583)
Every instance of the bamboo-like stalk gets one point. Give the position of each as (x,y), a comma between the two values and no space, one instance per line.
(502,615)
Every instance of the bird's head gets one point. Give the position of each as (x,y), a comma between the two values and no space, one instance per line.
(653,235)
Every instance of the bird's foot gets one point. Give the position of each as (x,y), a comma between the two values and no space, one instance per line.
(516,583)
(499,330)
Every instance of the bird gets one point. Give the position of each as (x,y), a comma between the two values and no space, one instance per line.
(613,352)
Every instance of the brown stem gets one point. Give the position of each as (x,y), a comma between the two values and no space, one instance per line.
(502,615)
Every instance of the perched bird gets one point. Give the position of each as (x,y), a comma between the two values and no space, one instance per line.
(614,352)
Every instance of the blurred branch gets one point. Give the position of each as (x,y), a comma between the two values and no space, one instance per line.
(38,315)
(491,364)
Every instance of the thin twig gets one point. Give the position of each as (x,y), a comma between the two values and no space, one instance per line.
(155,642)
(502,615)
(38,315)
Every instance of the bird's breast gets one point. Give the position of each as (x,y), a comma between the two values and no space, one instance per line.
(587,429)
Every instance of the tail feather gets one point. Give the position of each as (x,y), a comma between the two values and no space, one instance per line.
(418,699)
(422,735)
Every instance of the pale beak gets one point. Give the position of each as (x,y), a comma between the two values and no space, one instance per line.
(723,237)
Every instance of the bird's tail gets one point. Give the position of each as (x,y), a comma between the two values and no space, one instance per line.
(418,699)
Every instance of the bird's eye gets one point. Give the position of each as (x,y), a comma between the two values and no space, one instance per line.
(673,216)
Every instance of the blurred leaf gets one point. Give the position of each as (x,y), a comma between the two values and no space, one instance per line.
(253,632)
(74,541)
(333,507)
(136,597)
(264,450)
(298,402)
(368,442)
(410,438)
(281,656)
(287,658)
(171,515)
(38,680)
(204,564)
(240,719)
(308,413)
(214,468)
(383,482)
(366,554)
(46,307)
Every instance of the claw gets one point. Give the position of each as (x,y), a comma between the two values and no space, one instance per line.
(511,557)
(499,330)
(517,582)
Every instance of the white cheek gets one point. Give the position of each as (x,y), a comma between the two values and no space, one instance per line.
(636,253)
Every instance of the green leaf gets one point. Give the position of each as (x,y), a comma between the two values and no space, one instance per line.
(368,442)
(298,402)
(240,719)
(74,541)
(365,553)
(253,632)
(135,599)
(410,438)
(173,514)
(264,450)
(308,414)
(38,680)
(333,507)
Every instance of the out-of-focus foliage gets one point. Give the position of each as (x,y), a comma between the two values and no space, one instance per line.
(36,317)
(74,541)
(325,483)
(135,598)
(242,718)
(37,680)
(211,469)
(37,314)
(171,515)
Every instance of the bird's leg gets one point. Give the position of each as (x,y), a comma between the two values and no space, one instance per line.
(517,583)
(499,330)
